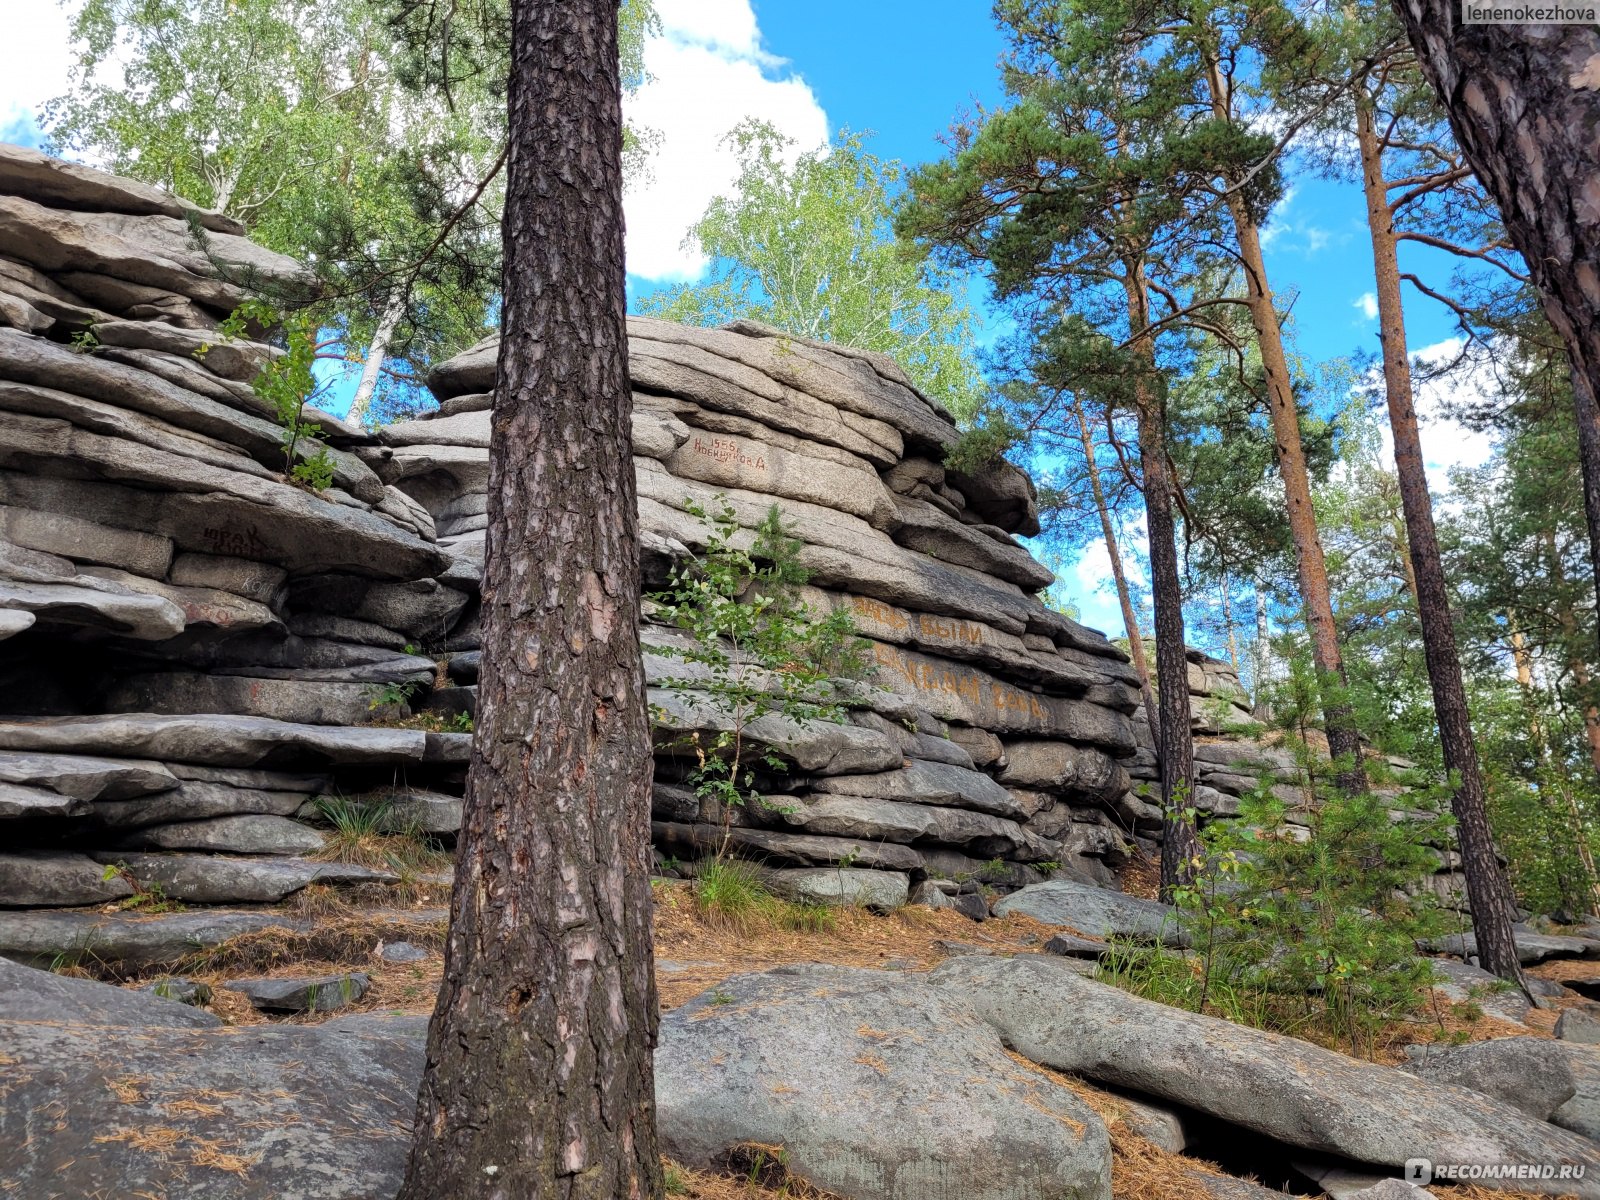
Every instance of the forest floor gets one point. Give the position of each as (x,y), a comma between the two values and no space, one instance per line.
(695,954)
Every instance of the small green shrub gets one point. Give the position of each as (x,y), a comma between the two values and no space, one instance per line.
(287,384)
(1306,926)
(761,649)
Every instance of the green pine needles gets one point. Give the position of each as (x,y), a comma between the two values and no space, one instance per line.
(1307,910)
(758,650)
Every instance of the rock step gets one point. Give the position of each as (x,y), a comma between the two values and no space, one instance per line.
(130,942)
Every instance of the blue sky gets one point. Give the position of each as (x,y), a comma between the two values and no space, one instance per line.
(903,70)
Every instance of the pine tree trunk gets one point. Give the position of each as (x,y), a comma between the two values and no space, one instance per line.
(1524,103)
(539,1080)
(377,351)
(1486,884)
(1119,575)
(1180,839)
(1344,740)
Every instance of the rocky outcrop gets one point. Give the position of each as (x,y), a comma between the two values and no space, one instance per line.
(1291,1091)
(195,647)
(932,1107)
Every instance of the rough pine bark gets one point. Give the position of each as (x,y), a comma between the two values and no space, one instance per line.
(1487,890)
(1524,103)
(539,1080)
(1180,839)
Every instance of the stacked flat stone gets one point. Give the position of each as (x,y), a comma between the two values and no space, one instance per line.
(187,639)
(988,743)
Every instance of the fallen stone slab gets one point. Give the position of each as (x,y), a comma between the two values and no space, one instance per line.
(880,891)
(1095,911)
(252,833)
(1530,1074)
(327,993)
(214,739)
(424,812)
(1581,1114)
(1070,945)
(1342,1182)
(875,1085)
(1286,1089)
(1578,1025)
(56,878)
(34,994)
(133,942)
(126,940)
(180,990)
(403,952)
(222,879)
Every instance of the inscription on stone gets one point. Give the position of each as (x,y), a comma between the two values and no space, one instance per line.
(727,451)
(925,626)
(986,700)
(235,542)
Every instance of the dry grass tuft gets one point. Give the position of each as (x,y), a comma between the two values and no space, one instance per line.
(749,1172)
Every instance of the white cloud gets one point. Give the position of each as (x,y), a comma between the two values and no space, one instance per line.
(35,55)
(1367,304)
(1446,442)
(1087,580)
(709,72)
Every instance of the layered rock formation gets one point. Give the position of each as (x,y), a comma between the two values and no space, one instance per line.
(988,744)
(195,648)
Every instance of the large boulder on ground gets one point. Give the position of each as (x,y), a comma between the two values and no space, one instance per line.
(140,1107)
(1531,1074)
(1462,982)
(1095,911)
(1286,1089)
(1581,1114)
(876,1086)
